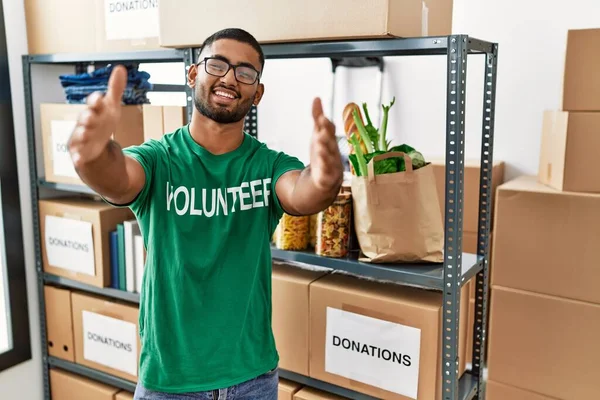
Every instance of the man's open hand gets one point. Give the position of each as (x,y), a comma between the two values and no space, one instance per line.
(325,160)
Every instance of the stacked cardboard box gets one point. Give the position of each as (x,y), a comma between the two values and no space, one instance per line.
(138,123)
(93,331)
(284,21)
(545,302)
(376,338)
(88,26)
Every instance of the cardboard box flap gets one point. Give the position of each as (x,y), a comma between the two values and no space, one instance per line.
(124,395)
(64,384)
(291,273)
(288,387)
(530,184)
(390,292)
(74,202)
(314,394)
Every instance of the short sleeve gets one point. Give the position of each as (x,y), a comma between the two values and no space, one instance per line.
(283,163)
(146,154)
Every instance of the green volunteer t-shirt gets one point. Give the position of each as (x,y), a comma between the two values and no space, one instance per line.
(207,221)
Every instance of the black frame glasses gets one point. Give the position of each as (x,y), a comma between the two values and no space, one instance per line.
(236,70)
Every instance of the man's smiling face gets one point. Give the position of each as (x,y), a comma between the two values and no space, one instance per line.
(225,99)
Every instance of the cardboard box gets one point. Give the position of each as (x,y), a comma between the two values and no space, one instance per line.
(314,394)
(106,335)
(59,323)
(469,329)
(375,333)
(581,86)
(470,191)
(307,20)
(544,344)
(498,391)
(67,386)
(159,120)
(287,389)
(75,238)
(52,29)
(545,240)
(290,321)
(568,155)
(124,395)
(58,122)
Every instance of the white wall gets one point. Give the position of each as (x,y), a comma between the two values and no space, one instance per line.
(25,380)
(532,42)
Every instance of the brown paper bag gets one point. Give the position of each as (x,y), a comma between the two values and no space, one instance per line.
(397,216)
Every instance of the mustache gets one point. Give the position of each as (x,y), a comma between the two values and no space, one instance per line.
(228,88)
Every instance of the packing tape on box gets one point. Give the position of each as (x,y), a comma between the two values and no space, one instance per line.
(424,19)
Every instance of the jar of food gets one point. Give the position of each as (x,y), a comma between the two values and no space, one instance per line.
(312,235)
(292,233)
(333,227)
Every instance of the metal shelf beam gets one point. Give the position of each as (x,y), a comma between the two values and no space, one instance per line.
(425,275)
(107,292)
(92,373)
(163,55)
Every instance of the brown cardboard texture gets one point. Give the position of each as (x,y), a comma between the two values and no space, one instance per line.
(282,21)
(58,121)
(290,319)
(124,395)
(570,142)
(581,86)
(153,122)
(544,344)
(94,348)
(67,386)
(59,323)
(499,391)
(129,39)
(48,33)
(469,331)
(63,214)
(350,331)
(315,394)
(544,240)
(174,117)
(287,389)
(471,189)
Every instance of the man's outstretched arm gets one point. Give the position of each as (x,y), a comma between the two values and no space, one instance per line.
(314,188)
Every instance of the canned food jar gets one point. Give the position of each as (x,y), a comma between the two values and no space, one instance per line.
(292,233)
(333,227)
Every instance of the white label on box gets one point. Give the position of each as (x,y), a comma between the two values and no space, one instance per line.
(130,19)
(69,244)
(62,164)
(111,342)
(373,351)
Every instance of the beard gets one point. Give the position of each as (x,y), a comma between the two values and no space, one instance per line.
(217,113)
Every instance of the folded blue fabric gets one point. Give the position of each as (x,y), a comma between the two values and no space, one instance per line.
(78,86)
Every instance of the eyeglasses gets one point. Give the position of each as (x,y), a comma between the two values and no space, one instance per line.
(217,67)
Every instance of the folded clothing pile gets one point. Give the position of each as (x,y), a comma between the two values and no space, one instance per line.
(78,86)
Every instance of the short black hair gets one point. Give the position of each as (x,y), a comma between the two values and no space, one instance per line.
(236,34)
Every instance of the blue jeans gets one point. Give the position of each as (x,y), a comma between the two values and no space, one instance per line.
(263,387)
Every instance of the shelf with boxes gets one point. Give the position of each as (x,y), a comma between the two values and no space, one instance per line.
(72,293)
(445,370)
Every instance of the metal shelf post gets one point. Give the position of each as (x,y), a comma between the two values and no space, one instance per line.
(455,145)
(485,200)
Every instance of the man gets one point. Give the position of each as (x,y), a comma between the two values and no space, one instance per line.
(208,198)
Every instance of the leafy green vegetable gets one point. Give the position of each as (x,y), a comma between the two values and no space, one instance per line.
(384,122)
(376,143)
(362,131)
(417,158)
(358,159)
(371,130)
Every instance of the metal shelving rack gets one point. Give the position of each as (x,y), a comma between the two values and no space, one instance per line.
(448,277)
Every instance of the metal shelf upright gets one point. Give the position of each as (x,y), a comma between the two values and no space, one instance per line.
(447,277)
